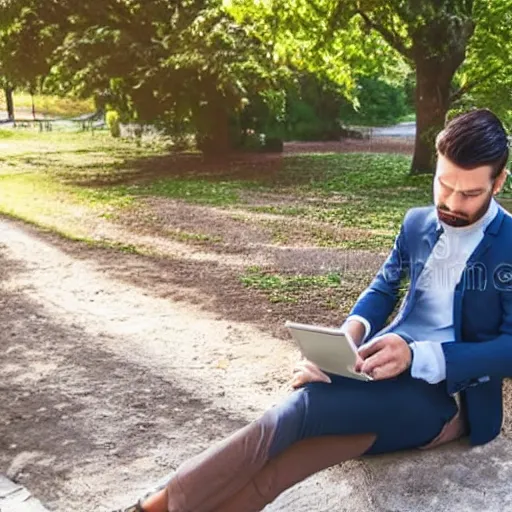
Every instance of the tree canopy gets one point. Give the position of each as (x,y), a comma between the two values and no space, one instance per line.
(172,63)
(197,63)
(460,50)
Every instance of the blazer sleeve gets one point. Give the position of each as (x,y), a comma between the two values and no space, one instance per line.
(378,301)
(468,363)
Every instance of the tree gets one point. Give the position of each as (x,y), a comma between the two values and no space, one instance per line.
(486,76)
(5,83)
(9,100)
(434,37)
(196,63)
(180,65)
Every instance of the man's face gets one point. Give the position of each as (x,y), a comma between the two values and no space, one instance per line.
(461,196)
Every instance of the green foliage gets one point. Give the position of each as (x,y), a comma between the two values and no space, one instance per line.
(185,66)
(313,106)
(485,78)
(347,39)
(380,103)
(114,123)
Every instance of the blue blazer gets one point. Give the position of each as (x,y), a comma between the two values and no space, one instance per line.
(481,354)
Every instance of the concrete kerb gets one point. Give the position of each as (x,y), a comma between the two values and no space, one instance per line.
(15,498)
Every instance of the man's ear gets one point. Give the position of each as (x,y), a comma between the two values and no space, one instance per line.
(500,181)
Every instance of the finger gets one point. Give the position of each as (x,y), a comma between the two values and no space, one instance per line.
(322,377)
(379,359)
(317,376)
(310,365)
(295,383)
(359,363)
(304,377)
(299,380)
(314,371)
(371,348)
(386,371)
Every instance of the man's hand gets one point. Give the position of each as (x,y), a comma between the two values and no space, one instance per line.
(305,371)
(384,357)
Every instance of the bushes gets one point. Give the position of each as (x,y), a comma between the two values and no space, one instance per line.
(312,109)
(380,104)
(114,123)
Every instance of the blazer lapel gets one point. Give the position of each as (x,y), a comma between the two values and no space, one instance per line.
(430,237)
(489,235)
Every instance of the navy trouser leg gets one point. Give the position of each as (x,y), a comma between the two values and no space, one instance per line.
(403,412)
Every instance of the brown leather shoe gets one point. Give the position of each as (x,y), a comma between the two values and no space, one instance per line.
(133,508)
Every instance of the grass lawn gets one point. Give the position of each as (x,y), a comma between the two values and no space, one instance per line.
(54,106)
(365,191)
(62,181)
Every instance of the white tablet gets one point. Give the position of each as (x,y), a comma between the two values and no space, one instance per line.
(328,348)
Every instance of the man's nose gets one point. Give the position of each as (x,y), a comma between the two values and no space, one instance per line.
(454,202)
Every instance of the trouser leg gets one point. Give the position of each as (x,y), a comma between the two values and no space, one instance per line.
(403,413)
(206,480)
(295,464)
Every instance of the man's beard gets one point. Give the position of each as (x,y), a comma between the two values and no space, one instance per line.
(460,219)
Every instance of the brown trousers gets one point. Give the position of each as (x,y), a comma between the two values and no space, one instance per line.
(236,475)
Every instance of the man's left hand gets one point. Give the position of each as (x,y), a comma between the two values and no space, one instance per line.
(385,357)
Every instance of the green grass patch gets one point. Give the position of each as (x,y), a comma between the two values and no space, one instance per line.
(198,191)
(284,288)
(7,134)
(408,118)
(333,290)
(55,106)
(56,178)
(39,176)
(373,241)
(368,191)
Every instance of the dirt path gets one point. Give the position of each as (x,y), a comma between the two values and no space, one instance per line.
(107,388)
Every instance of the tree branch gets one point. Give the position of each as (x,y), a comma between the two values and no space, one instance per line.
(387,34)
(457,95)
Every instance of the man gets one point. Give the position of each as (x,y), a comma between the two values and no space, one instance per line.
(438,367)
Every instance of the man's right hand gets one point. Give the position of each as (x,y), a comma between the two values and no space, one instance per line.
(305,372)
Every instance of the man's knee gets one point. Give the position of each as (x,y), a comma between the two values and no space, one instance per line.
(265,484)
(287,419)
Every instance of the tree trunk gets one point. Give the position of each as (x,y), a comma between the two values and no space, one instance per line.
(33,106)
(214,137)
(10,102)
(433,81)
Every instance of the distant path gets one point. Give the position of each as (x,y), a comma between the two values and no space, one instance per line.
(399,130)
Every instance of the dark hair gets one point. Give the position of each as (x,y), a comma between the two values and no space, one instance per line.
(474,139)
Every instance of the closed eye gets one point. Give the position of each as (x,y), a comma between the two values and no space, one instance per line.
(471,194)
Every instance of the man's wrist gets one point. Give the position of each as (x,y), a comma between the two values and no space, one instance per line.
(357,328)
